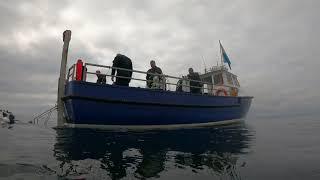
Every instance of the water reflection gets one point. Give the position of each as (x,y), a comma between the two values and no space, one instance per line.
(88,152)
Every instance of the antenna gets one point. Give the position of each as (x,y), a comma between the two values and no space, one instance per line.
(204,62)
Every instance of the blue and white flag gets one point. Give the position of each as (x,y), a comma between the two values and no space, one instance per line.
(225,56)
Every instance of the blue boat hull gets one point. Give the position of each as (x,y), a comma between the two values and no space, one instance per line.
(96,104)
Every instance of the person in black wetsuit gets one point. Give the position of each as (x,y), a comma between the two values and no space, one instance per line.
(196,89)
(11,118)
(154,70)
(122,61)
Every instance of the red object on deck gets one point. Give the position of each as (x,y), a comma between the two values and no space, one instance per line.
(79,70)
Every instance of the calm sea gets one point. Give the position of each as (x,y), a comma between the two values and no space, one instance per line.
(259,148)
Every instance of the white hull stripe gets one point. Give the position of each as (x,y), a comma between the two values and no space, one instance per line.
(142,127)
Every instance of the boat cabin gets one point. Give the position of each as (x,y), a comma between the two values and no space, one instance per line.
(220,82)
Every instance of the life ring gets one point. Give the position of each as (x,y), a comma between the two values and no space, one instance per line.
(221,90)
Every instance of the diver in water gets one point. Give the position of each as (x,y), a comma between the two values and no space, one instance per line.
(11,118)
(7,117)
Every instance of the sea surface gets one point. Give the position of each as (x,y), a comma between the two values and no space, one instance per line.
(258,148)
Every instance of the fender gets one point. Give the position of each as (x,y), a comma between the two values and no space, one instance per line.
(79,70)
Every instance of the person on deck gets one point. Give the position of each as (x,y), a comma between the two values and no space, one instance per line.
(154,70)
(101,78)
(122,61)
(195,87)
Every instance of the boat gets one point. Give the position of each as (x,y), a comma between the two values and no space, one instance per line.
(86,103)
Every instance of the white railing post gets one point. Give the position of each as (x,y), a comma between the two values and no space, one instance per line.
(62,78)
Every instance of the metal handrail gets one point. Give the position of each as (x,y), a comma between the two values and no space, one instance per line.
(142,72)
(124,77)
(71,74)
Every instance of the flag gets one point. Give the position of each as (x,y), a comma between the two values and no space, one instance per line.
(225,56)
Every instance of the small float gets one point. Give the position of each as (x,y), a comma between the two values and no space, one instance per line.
(84,103)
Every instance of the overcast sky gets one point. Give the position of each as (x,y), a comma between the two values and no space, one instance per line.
(273,46)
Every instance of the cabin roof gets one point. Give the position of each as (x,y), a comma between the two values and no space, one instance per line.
(216,70)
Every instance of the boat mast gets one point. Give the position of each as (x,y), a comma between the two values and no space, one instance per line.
(62,78)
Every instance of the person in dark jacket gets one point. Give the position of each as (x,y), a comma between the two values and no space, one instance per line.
(101,78)
(196,86)
(179,86)
(154,70)
(122,61)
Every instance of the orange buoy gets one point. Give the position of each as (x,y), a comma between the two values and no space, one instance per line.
(234,92)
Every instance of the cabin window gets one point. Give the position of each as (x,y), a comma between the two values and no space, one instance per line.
(207,79)
(229,78)
(218,79)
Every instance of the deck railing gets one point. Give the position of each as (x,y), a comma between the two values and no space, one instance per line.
(206,86)
(71,72)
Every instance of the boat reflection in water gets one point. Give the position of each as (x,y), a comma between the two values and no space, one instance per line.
(105,154)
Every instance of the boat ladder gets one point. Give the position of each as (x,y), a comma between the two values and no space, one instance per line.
(45,116)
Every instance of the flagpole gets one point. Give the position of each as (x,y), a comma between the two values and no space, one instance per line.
(221,54)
